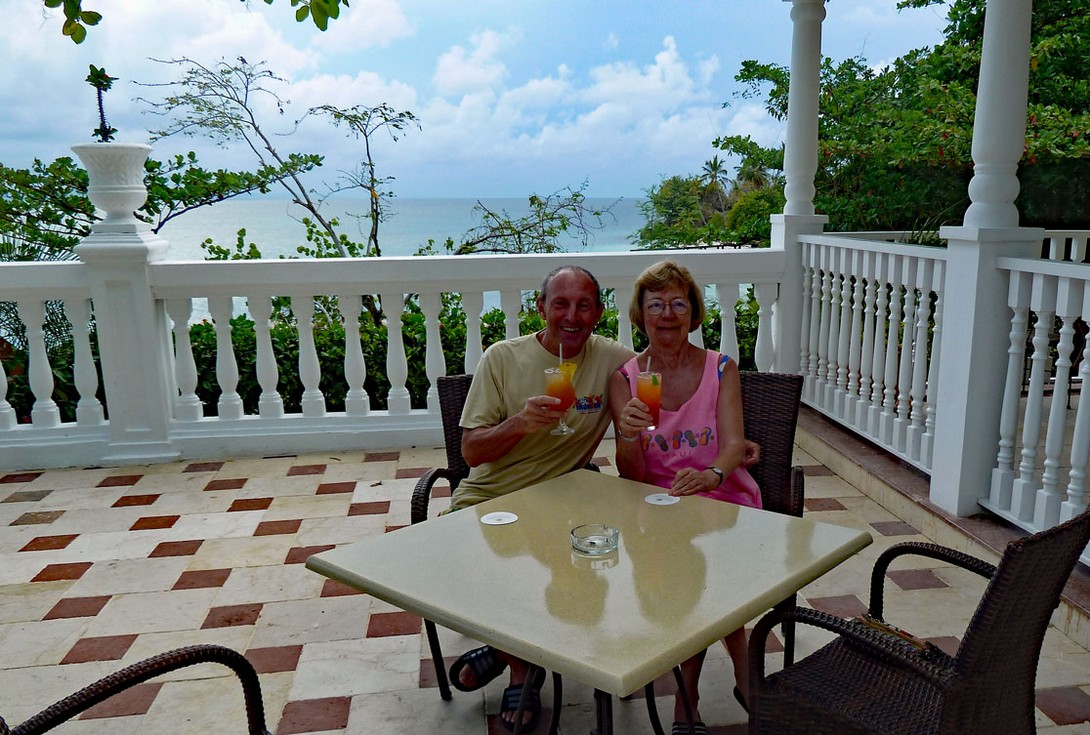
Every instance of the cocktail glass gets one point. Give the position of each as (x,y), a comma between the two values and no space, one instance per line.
(649,390)
(558,384)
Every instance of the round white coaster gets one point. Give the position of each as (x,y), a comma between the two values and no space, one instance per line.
(498,518)
(662,499)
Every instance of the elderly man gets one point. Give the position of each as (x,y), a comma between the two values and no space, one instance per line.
(508,441)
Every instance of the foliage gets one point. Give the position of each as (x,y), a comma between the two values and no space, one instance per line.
(77,19)
(683,211)
(564,212)
(749,220)
(895,143)
(101,81)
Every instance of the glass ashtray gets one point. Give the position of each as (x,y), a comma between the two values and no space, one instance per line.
(594,539)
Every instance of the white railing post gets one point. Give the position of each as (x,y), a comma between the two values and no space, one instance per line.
(1080,437)
(89,409)
(397,369)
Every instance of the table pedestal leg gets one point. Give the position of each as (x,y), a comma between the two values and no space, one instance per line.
(603,702)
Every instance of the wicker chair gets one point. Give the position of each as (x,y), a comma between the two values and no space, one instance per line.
(770,412)
(869,681)
(140,672)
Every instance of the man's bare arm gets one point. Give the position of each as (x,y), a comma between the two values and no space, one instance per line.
(489,443)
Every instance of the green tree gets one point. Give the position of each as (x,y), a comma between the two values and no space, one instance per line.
(681,211)
(77,19)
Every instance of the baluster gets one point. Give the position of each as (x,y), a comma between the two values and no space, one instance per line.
(844,325)
(1018,297)
(904,366)
(1024,490)
(896,314)
(229,406)
(927,440)
(473,306)
(728,328)
(855,346)
(881,324)
(816,281)
(622,297)
(187,407)
(824,327)
(763,353)
(356,400)
(89,409)
(8,419)
(434,361)
(833,344)
(312,402)
(397,370)
(918,403)
(866,357)
(45,413)
(1046,512)
(270,404)
(1080,437)
(807,308)
(511,304)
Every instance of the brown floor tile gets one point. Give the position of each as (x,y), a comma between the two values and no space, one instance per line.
(275,658)
(894,528)
(250,504)
(300,554)
(232,483)
(331,488)
(602,461)
(314,715)
(381,625)
(382,457)
(58,572)
(135,700)
(27,496)
(103,648)
(916,579)
(201,578)
(1064,705)
(440,491)
(410,473)
(306,469)
(148,523)
(427,678)
(120,481)
(176,548)
(843,606)
(394,528)
(19,477)
(49,543)
(34,518)
(126,501)
(333,588)
(77,607)
(816,470)
(204,467)
(278,528)
(816,505)
(375,507)
(230,615)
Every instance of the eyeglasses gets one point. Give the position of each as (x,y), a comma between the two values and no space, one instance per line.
(655,307)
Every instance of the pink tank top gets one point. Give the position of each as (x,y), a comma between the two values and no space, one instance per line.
(689,437)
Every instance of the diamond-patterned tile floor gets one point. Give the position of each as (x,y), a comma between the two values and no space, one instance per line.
(100,568)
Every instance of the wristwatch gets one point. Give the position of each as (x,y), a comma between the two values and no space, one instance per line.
(718,473)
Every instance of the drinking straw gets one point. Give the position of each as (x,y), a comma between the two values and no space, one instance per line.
(561,353)
(648,362)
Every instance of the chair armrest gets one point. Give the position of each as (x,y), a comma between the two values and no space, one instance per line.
(418,510)
(889,648)
(916,548)
(149,668)
(798,484)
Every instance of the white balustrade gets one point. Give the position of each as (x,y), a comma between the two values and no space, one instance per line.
(45,413)
(84,374)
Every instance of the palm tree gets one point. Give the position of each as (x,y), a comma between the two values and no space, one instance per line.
(714,173)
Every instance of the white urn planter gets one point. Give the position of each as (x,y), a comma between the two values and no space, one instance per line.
(116,172)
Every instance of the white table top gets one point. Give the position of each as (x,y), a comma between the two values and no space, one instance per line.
(684,575)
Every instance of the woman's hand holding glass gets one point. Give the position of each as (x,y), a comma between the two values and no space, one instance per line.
(635,417)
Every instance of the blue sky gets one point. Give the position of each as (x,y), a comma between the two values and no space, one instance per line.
(513,96)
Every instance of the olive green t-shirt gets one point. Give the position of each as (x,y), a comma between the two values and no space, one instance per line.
(514,370)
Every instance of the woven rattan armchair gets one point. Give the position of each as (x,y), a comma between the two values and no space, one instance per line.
(142,671)
(868,681)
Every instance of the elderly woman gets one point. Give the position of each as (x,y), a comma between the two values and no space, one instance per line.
(697,446)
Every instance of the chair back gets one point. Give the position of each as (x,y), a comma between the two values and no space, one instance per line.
(453,390)
(770,410)
(997,660)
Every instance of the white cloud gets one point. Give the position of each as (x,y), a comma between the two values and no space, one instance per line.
(462,71)
(366,24)
(665,82)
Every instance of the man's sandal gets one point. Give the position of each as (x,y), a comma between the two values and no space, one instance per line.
(510,703)
(682,728)
(483,662)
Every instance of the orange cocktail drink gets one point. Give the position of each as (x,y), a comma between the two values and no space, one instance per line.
(649,390)
(558,385)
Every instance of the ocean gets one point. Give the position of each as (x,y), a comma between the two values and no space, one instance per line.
(274,224)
